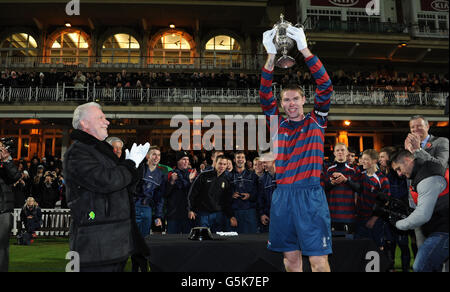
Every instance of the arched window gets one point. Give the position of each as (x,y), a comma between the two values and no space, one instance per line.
(121,48)
(18,48)
(70,47)
(171,47)
(223,51)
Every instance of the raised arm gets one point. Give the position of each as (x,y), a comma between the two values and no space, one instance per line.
(324,87)
(267,100)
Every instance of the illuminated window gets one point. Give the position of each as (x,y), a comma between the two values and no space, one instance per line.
(222,43)
(18,48)
(171,47)
(70,47)
(121,48)
(223,51)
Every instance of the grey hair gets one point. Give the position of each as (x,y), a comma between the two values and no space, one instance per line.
(80,113)
(111,140)
(416,117)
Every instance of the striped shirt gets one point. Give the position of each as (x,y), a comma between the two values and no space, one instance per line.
(341,197)
(370,187)
(299,144)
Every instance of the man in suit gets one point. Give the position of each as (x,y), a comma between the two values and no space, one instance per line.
(425,146)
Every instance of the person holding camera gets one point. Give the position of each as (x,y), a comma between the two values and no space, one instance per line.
(9,174)
(399,192)
(244,184)
(429,191)
(48,191)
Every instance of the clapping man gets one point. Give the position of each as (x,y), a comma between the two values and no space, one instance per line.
(424,145)
(103,228)
(176,196)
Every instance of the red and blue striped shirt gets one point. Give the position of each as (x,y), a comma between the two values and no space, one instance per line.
(370,187)
(299,144)
(341,197)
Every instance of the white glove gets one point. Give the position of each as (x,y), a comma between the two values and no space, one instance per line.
(298,35)
(137,153)
(268,37)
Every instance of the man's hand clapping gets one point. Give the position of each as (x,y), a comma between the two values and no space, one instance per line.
(412,142)
(137,153)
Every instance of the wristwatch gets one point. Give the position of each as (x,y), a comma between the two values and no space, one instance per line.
(417,150)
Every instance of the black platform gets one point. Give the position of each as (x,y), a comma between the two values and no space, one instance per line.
(245,253)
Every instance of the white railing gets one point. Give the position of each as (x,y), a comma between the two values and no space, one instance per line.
(55,222)
(209,95)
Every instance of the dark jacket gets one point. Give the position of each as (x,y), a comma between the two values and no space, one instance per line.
(9,174)
(266,186)
(150,189)
(244,182)
(176,195)
(99,190)
(398,186)
(436,149)
(48,195)
(34,223)
(211,193)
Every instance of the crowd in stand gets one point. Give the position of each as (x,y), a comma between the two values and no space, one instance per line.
(412,82)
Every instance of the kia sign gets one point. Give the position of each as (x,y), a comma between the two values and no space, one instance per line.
(440,5)
(434,5)
(341,3)
(344,3)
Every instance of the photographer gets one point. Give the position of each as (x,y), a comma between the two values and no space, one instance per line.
(48,190)
(429,191)
(398,203)
(8,176)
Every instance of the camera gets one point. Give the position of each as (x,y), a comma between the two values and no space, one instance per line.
(9,144)
(391,209)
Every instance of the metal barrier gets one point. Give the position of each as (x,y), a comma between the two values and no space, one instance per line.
(210,95)
(55,222)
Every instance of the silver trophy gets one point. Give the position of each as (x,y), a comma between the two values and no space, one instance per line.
(283,43)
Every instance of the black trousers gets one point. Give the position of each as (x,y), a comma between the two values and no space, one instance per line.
(6,221)
(139,262)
